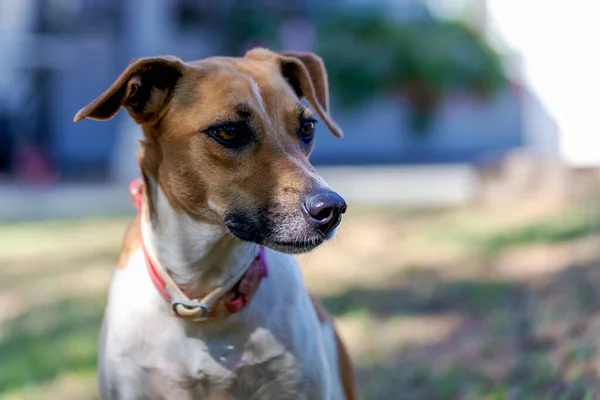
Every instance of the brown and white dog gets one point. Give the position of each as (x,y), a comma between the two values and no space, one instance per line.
(227,186)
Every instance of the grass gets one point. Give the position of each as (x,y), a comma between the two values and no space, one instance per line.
(433,304)
(48,341)
(566,227)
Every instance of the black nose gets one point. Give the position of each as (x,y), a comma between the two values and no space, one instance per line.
(324,209)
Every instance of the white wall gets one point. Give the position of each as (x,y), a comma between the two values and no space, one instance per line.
(558,41)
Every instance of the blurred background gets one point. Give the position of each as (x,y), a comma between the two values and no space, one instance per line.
(468,264)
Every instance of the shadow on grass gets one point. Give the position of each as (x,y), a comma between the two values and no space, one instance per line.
(566,228)
(49,340)
(518,341)
(473,297)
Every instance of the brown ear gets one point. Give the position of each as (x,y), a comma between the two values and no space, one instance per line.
(144,88)
(316,70)
(306,74)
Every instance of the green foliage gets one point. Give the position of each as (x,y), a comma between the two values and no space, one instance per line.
(369,53)
(253,25)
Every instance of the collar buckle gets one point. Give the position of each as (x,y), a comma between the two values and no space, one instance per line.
(190,307)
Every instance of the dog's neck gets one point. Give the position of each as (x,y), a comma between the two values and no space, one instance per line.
(198,255)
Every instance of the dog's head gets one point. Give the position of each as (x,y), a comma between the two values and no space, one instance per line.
(228,140)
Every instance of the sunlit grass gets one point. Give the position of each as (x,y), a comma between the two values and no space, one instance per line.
(80,385)
(432,303)
(59,238)
(47,341)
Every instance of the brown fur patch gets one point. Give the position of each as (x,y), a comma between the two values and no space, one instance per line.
(344,362)
(316,70)
(131,243)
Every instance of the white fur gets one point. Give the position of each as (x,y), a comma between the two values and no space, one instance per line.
(274,349)
(259,99)
(184,246)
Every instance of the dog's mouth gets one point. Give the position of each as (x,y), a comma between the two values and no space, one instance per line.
(242,234)
(296,246)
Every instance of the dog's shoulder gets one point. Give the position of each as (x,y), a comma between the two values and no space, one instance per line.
(303,312)
(339,358)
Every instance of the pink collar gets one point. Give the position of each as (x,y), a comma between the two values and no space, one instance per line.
(229,298)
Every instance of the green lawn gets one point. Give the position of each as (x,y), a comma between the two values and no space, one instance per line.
(433,303)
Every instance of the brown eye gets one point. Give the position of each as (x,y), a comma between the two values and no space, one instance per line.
(231,135)
(227,133)
(307,130)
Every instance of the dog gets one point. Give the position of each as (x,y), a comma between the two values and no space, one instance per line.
(208,301)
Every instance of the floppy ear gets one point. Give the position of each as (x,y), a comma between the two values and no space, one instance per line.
(144,89)
(306,74)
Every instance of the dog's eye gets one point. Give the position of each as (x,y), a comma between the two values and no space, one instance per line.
(231,135)
(307,130)
(226,133)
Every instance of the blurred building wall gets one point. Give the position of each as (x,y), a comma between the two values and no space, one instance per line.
(465,130)
(80,63)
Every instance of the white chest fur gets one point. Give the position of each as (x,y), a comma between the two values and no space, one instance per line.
(272,349)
